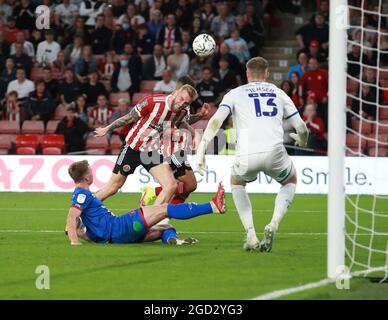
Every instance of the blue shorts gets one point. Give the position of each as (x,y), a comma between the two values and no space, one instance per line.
(130,227)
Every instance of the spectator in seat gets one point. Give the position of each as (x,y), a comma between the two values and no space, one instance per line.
(118,8)
(74,131)
(368,106)
(51,84)
(318,30)
(24,13)
(187,44)
(21,59)
(89,10)
(155,24)
(101,114)
(301,67)
(355,60)
(155,65)
(207,14)
(65,14)
(48,50)
(223,24)
(316,81)
(40,105)
(208,87)
(10,30)
(324,10)
(69,89)
(101,36)
(28,47)
(167,85)
(108,66)
(295,82)
(122,77)
(316,52)
(178,62)
(81,108)
(234,63)
(9,72)
(11,108)
(169,34)
(59,66)
(124,34)
(93,88)
(79,29)
(73,51)
(135,19)
(316,128)
(196,66)
(122,109)
(238,46)
(143,40)
(36,38)
(85,65)
(5,11)
(4,49)
(227,78)
(369,76)
(135,64)
(196,27)
(21,84)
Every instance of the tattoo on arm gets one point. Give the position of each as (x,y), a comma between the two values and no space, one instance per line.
(195,118)
(130,117)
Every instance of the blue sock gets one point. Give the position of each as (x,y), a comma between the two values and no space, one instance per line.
(188,210)
(167,234)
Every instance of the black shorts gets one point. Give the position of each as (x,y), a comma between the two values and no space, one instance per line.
(178,163)
(129,159)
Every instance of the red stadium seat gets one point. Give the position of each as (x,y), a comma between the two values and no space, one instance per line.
(366,127)
(51,126)
(352,86)
(35,127)
(25,150)
(379,152)
(115,143)
(5,143)
(382,127)
(383,113)
(115,97)
(53,141)
(96,145)
(138,96)
(27,140)
(380,140)
(60,113)
(11,127)
(51,150)
(147,86)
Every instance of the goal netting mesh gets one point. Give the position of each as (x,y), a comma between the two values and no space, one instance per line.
(367,139)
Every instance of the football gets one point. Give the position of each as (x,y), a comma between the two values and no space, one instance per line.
(204,45)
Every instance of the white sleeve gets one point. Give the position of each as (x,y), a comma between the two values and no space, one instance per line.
(289,107)
(215,124)
(227,102)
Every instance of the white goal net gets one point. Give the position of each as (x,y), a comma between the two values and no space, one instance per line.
(366,218)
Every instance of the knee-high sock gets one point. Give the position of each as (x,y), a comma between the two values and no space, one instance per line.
(188,210)
(169,233)
(282,202)
(244,209)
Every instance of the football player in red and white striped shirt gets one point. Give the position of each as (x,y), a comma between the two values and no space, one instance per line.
(101,114)
(150,116)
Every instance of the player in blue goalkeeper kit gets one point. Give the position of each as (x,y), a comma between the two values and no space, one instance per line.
(138,225)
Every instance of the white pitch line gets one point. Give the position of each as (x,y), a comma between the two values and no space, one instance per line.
(284,292)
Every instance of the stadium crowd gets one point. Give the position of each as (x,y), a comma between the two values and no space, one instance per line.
(100,57)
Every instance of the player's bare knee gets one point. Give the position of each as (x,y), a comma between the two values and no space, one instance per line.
(170,187)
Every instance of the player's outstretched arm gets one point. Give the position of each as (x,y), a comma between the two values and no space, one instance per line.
(130,117)
(212,128)
(71,228)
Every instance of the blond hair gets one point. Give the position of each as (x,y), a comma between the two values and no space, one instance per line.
(257,66)
(190,90)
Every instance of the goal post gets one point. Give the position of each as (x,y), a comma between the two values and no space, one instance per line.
(336,137)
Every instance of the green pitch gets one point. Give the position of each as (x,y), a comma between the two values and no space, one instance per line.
(31,234)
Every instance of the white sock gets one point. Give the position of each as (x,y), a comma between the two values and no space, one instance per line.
(244,209)
(282,202)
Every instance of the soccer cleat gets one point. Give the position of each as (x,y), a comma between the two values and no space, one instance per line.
(147,196)
(269,236)
(181,241)
(252,246)
(219,199)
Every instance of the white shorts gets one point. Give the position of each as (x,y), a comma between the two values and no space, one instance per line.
(275,163)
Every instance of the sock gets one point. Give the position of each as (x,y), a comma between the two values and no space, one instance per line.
(282,202)
(188,210)
(244,209)
(169,233)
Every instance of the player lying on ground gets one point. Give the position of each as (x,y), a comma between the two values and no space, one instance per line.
(150,116)
(176,152)
(258,109)
(138,225)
